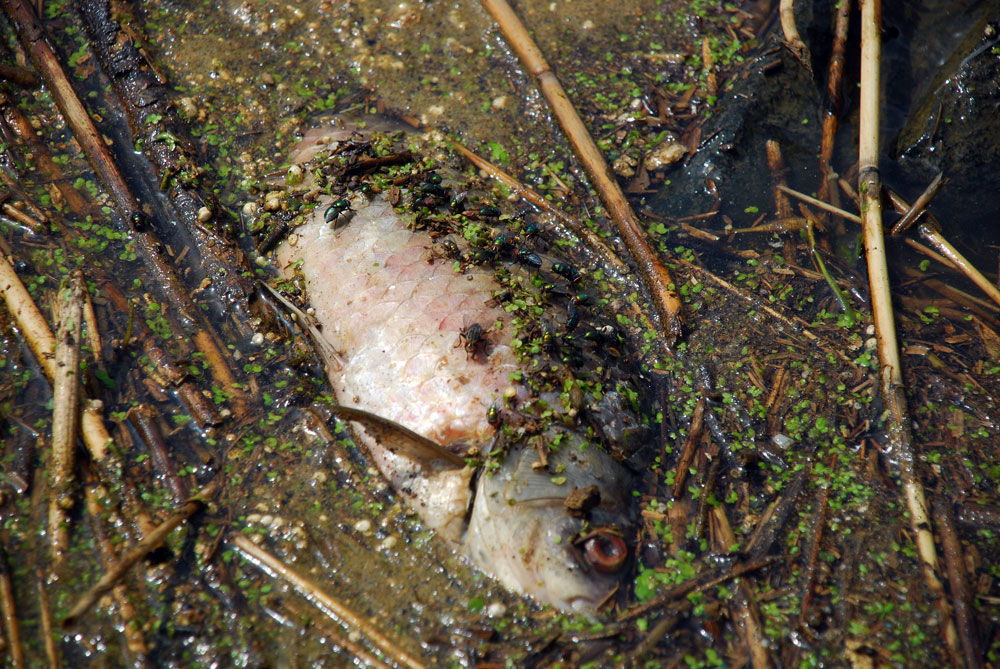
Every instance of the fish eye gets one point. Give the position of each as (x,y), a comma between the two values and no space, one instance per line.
(605,550)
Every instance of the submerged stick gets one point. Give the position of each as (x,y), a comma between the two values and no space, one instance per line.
(65,410)
(139,551)
(890,372)
(654,274)
(11,624)
(325,602)
(831,99)
(742,607)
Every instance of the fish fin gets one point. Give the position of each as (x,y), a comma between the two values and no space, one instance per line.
(399,439)
(329,355)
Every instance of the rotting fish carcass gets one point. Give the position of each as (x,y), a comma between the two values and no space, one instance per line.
(448,322)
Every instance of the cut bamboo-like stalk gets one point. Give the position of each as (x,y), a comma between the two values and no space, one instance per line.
(324,601)
(653,272)
(42,344)
(890,372)
(65,410)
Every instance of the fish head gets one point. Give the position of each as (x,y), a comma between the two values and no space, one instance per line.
(558,533)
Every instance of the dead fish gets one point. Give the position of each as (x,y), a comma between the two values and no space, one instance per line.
(542,505)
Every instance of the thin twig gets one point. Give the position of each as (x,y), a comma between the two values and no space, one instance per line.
(914,212)
(690,446)
(822,205)
(793,323)
(592,241)
(135,641)
(699,584)
(140,550)
(653,272)
(332,607)
(891,375)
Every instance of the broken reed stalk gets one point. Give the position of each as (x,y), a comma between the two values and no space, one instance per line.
(653,272)
(324,601)
(890,366)
(42,344)
(930,230)
(914,212)
(826,206)
(65,410)
(116,569)
(11,626)
(787,14)
(593,242)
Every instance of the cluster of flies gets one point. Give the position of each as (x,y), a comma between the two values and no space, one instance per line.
(510,241)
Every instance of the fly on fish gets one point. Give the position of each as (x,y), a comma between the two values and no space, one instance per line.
(488,388)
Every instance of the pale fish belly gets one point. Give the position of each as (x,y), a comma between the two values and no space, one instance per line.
(394,311)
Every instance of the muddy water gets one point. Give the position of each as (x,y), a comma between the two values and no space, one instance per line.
(249,76)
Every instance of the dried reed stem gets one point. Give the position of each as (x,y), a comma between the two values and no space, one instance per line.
(787,13)
(891,376)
